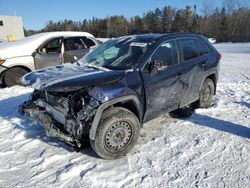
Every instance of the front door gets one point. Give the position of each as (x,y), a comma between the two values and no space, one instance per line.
(163,86)
(49,54)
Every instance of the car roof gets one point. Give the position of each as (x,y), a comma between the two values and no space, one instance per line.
(158,36)
(28,45)
(62,33)
(47,35)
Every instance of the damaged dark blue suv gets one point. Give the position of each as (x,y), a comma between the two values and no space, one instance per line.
(107,95)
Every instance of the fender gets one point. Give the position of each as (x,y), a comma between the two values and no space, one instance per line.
(24,61)
(104,106)
(209,73)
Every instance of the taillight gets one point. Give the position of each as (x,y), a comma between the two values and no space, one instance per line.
(218,57)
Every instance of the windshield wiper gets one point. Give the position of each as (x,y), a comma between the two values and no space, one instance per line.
(96,67)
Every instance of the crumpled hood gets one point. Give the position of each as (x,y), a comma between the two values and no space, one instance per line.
(69,77)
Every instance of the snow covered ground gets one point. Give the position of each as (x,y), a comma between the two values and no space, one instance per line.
(210,149)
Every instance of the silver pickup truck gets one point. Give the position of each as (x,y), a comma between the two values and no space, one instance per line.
(41,50)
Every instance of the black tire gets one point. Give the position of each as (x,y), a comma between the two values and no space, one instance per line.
(206,94)
(117,133)
(13,75)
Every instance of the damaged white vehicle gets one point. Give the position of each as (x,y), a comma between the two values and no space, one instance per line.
(41,50)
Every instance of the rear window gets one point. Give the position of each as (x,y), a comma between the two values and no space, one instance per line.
(202,47)
(72,44)
(88,42)
(189,49)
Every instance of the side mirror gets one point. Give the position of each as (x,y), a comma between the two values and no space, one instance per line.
(155,66)
(75,58)
(44,50)
(152,68)
(35,52)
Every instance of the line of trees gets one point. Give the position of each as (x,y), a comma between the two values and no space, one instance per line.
(229,23)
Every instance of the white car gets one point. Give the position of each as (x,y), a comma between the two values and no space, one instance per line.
(41,50)
(212,40)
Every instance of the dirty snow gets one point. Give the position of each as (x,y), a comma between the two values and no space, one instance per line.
(210,149)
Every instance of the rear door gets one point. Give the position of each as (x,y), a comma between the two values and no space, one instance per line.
(74,49)
(193,58)
(163,88)
(49,54)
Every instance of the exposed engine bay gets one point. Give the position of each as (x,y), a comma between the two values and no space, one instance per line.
(67,116)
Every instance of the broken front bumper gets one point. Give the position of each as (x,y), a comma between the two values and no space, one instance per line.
(39,115)
(68,127)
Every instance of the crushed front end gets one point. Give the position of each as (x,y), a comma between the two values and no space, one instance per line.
(67,116)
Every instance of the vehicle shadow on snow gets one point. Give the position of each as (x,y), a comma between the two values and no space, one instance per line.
(244,104)
(9,112)
(220,125)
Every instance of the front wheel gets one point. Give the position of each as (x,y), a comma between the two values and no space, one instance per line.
(206,94)
(117,133)
(13,75)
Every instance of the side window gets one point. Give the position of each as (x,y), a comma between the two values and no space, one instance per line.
(88,42)
(72,44)
(189,49)
(202,47)
(52,46)
(166,54)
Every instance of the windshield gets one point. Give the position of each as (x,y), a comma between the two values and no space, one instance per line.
(117,54)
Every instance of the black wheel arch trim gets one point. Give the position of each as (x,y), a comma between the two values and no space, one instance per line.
(3,69)
(215,73)
(104,106)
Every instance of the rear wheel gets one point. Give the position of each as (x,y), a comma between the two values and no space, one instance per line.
(13,76)
(206,94)
(117,133)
